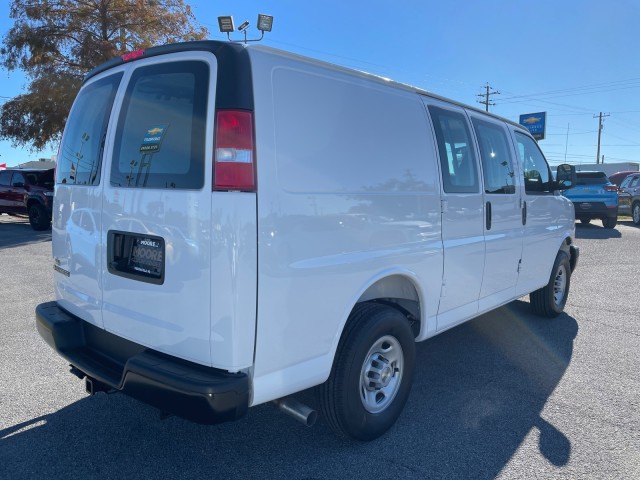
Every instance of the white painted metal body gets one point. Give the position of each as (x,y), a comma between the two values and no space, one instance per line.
(349,206)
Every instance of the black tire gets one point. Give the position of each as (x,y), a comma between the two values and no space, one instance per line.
(635,213)
(585,221)
(549,301)
(38,217)
(372,373)
(609,222)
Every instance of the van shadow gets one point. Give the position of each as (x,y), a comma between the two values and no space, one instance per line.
(478,392)
(16,231)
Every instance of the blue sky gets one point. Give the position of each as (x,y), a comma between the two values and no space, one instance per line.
(572,59)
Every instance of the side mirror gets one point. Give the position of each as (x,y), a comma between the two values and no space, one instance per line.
(566,177)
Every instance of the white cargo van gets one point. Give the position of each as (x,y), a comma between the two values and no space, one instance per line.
(234,224)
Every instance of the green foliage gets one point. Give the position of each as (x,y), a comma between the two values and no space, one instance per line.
(56,42)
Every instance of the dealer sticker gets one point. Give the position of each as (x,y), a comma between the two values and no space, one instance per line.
(153,138)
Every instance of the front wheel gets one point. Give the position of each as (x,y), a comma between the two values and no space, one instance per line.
(38,217)
(372,373)
(549,301)
(635,213)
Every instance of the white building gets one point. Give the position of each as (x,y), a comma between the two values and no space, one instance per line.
(608,168)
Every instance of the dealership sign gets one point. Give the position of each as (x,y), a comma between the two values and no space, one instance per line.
(535,123)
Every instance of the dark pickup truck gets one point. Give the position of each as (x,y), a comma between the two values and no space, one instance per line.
(28,192)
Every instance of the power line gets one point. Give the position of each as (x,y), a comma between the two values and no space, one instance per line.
(583,90)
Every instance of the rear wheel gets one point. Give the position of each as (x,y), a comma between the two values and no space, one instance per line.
(635,213)
(549,301)
(38,217)
(372,373)
(609,222)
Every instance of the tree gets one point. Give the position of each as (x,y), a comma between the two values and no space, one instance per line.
(56,42)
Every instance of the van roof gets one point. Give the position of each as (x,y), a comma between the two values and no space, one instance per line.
(234,54)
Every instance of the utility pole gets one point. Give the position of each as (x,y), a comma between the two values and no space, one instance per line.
(600,126)
(487,96)
(566,145)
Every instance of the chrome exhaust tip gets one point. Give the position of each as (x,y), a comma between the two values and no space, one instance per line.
(298,410)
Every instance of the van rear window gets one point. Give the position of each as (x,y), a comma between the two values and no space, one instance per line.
(160,140)
(80,155)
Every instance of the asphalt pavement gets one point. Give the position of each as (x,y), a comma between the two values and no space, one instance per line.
(507,395)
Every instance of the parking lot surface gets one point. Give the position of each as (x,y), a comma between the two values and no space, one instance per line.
(507,395)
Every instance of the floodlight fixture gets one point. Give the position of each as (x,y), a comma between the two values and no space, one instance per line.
(265,22)
(225,24)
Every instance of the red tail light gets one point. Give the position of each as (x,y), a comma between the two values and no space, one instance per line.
(611,188)
(234,162)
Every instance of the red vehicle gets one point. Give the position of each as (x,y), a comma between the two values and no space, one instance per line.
(27,192)
(618,177)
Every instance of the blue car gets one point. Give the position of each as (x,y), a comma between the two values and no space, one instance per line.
(595,197)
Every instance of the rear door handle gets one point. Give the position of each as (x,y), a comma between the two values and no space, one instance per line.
(488,213)
(524,213)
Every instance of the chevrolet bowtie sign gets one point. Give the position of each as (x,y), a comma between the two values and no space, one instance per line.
(535,123)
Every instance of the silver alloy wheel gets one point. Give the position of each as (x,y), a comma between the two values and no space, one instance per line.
(636,213)
(560,285)
(381,374)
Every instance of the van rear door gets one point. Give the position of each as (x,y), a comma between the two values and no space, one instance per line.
(157,207)
(77,243)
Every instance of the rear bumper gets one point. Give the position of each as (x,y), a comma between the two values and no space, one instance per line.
(594,210)
(197,393)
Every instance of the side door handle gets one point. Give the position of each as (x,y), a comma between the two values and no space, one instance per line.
(488,213)
(524,213)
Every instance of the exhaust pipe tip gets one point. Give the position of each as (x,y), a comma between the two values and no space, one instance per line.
(77,372)
(297,410)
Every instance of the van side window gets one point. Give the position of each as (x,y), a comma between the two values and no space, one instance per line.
(458,162)
(4,178)
(160,140)
(537,176)
(497,162)
(80,158)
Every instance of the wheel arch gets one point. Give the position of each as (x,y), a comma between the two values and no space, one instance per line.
(31,201)
(572,250)
(399,289)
